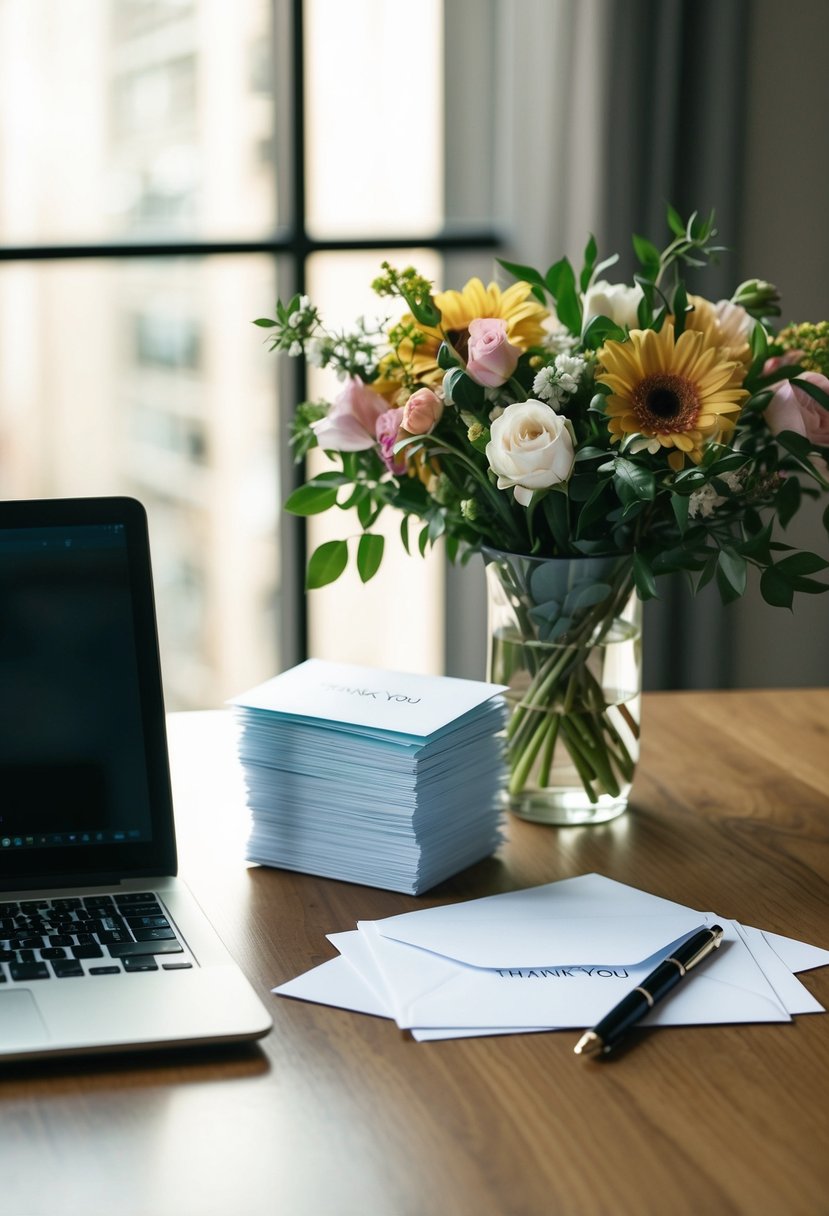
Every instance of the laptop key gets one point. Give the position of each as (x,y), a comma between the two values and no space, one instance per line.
(8,956)
(124,949)
(176,966)
(110,937)
(67,968)
(28,971)
(87,950)
(61,939)
(153,935)
(140,962)
(109,970)
(53,952)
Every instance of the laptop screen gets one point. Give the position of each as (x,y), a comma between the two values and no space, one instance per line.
(84,788)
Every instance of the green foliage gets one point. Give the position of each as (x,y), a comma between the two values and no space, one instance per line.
(716,519)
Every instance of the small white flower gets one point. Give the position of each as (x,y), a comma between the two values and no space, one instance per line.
(703,502)
(567,384)
(544,385)
(304,302)
(314,353)
(295,349)
(571,366)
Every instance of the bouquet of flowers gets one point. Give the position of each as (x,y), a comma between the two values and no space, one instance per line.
(565,415)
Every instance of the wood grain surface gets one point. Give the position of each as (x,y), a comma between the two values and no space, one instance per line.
(338,1113)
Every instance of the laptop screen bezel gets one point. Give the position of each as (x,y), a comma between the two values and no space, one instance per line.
(108,862)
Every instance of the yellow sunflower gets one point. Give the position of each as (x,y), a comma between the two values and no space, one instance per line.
(517,306)
(674,393)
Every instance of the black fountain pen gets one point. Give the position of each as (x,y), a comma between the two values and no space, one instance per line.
(631,1009)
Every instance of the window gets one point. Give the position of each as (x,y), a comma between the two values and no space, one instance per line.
(152,203)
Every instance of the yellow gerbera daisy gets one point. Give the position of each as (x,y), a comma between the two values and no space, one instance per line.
(720,327)
(675,393)
(517,306)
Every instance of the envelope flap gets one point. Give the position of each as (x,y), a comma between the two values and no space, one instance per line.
(577,921)
(563,942)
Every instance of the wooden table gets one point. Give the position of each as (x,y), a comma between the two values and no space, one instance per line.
(338,1113)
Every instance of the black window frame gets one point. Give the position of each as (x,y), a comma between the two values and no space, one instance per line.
(292,245)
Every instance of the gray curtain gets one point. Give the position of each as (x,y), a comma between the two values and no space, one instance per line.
(605,110)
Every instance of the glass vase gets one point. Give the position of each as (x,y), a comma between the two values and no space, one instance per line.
(565,638)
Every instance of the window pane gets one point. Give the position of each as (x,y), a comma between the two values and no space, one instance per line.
(146,118)
(396,619)
(374,116)
(143,378)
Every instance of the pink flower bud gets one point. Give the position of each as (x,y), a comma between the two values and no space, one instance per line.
(793,409)
(387,431)
(786,360)
(422,412)
(491,358)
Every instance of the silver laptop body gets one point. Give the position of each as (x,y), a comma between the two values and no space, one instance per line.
(102,947)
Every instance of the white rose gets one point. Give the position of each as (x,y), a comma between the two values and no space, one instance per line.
(736,324)
(531,448)
(614,300)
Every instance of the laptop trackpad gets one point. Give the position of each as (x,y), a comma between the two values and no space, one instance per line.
(20,1020)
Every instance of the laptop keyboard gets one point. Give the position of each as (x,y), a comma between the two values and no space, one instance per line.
(87,936)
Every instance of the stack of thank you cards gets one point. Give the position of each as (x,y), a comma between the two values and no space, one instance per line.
(378,777)
(554,957)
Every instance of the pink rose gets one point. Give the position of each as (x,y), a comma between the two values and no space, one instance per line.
(422,412)
(387,432)
(349,424)
(793,409)
(491,358)
(786,360)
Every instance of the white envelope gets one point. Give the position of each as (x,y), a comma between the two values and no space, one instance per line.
(560,955)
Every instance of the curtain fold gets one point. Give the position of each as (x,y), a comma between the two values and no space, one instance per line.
(604,112)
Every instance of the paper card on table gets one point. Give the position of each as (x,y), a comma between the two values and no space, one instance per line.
(588,919)
(795,996)
(334,983)
(798,956)
(430,991)
(388,702)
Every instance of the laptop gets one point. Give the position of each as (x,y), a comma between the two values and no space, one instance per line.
(102,947)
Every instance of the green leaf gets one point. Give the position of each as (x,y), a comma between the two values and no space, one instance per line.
(265,322)
(369,555)
(759,343)
(757,546)
(813,390)
(675,223)
(601,329)
(423,540)
(404,533)
(647,253)
(787,500)
(561,284)
(633,481)
(679,506)
(460,389)
(326,564)
(527,273)
(731,573)
(555,508)
(795,443)
(775,589)
(643,578)
(590,252)
(801,563)
(679,305)
(311,499)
